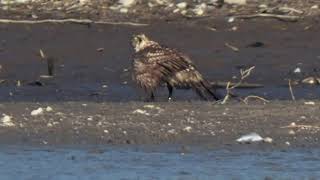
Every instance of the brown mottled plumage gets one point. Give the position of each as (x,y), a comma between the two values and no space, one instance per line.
(154,64)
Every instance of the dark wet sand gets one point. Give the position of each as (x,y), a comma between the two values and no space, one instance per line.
(81,73)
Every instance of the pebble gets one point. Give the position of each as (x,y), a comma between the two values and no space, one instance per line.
(231,19)
(182,5)
(291,132)
(6,121)
(124,10)
(127,3)
(268,140)
(315,7)
(172,131)
(187,129)
(199,10)
(237,2)
(297,70)
(287,143)
(49,109)
(37,112)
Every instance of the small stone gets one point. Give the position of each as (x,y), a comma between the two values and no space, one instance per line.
(172,131)
(106,131)
(182,5)
(231,19)
(199,10)
(293,124)
(263,6)
(184,12)
(234,28)
(297,70)
(187,129)
(6,121)
(237,2)
(287,143)
(49,124)
(315,7)
(49,109)
(127,3)
(176,10)
(291,132)
(268,140)
(124,10)
(37,112)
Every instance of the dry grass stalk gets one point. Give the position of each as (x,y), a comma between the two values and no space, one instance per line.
(244,74)
(291,91)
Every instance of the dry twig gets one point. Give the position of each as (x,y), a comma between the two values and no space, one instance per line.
(266,15)
(232,47)
(246,99)
(291,91)
(76,21)
(244,74)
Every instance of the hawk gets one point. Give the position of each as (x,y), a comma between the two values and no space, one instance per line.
(154,64)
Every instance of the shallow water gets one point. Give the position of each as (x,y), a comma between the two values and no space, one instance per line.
(156,163)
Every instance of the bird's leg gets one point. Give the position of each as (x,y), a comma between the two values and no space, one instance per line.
(152,96)
(170,89)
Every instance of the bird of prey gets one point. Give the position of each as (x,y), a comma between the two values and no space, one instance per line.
(154,64)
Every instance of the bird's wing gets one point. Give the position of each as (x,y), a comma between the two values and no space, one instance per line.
(165,60)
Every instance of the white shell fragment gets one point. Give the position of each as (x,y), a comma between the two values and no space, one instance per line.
(37,112)
(252,137)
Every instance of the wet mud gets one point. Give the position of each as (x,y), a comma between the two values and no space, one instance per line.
(95,101)
(92,63)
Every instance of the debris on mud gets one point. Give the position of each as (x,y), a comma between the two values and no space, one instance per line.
(253,137)
(37,112)
(6,121)
(124,10)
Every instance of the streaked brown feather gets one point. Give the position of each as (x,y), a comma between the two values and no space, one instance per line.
(156,64)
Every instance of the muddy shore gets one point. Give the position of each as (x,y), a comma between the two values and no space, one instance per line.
(94,100)
(185,123)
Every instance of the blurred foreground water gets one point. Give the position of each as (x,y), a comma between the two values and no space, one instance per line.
(128,162)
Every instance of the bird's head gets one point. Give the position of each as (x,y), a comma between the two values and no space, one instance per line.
(140,42)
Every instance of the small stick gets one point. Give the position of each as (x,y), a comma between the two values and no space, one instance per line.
(50,63)
(244,74)
(76,21)
(291,92)
(232,47)
(256,97)
(280,17)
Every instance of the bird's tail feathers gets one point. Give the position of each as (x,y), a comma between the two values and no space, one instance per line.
(202,88)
